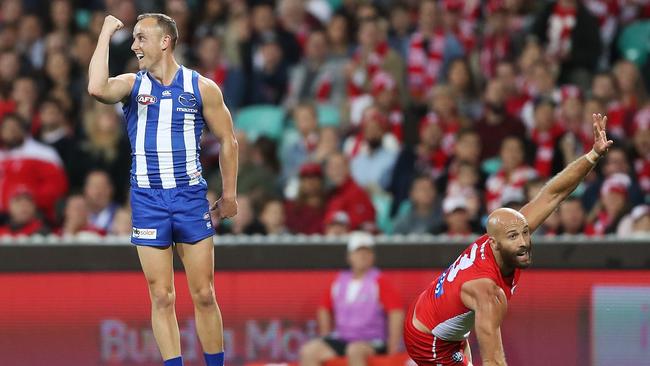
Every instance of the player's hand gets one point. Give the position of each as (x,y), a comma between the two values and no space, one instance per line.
(225,207)
(112,25)
(601,143)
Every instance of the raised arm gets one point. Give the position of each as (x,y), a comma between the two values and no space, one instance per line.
(489,303)
(217,116)
(560,186)
(100,86)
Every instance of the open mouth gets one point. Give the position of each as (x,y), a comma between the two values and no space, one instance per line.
(523,252)
(140,56)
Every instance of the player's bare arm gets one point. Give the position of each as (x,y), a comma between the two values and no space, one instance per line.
(100,86)
(324,319)
(558,188)
(218,118)
(489,303)
(395,326)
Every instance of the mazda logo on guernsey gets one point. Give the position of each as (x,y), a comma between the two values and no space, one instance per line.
(146,99)
(187,100)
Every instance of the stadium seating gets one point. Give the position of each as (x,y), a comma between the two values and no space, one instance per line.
(261,120)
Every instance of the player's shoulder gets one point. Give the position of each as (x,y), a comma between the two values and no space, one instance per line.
(208,87)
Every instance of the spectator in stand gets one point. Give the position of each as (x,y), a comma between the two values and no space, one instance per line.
(386,98)
(30,40)
(361,314)
(430,50)
(496,124)
(10,66)
(294,18)
(76,219)
(25,96)
(338,31)
(23,217)
(633,94)
(256,176)
(299,147)
(577,138)
(463,88)
(400,30)
(213,65)
(496,44)
(616,161)
(457,219)
(98,192)
(641,140)
(305,214)
(513,174)
(573,219)
(105,147)
(345,195)
(445,108)
(613,204)
(55,130)
(423,216)
(266,31)
(544,135)
(316,77)
(605,86)
(337,223)
(122,225)
(637,223)
(270,76)
(467,151)
(29,163)
(271,221)
(371,56)
(540,82)
(427,157)
(372,164)
(571,36)
(329,143)
(61,82)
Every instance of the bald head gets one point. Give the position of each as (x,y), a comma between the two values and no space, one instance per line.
(503,218)
(509,239)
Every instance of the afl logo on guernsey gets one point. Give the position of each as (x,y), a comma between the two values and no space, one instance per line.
(146,99)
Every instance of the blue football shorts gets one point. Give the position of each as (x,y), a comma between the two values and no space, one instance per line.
(172,215)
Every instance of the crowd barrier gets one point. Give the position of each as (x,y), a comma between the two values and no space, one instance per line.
(583,302)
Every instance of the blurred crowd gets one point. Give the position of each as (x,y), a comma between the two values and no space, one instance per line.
(444,111)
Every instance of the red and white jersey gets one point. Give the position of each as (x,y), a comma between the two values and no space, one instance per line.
(440,307)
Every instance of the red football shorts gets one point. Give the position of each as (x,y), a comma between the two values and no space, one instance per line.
(428,350)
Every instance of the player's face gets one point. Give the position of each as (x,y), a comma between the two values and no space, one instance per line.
(515,245)
(147,42)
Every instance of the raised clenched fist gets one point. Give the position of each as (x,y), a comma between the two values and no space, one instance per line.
(112,24)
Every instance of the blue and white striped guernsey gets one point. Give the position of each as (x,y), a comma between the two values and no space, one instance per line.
(164,124)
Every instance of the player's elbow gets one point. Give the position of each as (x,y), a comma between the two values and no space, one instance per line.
(95,91)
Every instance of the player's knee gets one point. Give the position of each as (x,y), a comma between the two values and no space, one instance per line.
(204,298)
(310,350)
(162,297)
(357,350)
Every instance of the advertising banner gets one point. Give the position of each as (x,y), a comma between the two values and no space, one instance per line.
(574,318)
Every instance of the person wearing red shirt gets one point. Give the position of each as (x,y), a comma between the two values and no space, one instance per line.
(26,162)
(361,313)
(474,291)
(346,195)
(23,217)
(306,213)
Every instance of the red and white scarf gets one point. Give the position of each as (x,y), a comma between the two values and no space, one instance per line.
(370,65)
(424,66)
(545,141)
(495,48)
(498,182)
(560,25)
